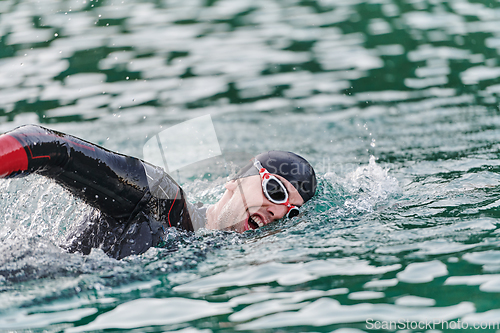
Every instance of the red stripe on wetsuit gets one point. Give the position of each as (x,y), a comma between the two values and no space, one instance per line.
(13,157)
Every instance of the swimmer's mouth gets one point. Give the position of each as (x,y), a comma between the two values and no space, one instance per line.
(255,222)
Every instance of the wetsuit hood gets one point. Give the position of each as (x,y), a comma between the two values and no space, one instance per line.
(288,165)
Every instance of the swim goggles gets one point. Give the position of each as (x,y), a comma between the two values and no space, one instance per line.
(274,190)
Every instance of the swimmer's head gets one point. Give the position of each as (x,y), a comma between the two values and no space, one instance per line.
(288,165)
(271,186)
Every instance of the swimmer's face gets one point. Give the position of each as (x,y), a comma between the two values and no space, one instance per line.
(248,208)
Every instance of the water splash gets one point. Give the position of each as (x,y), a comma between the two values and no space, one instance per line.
(360,191)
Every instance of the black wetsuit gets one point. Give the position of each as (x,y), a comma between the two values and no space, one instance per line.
(134,202)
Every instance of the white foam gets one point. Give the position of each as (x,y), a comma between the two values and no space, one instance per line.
(326,100)
(148,311)
(94,101)
(23,320)
(476,74)
(30,36)
(225,9)
(13,95)
(373,182)
(326,311)
(296,296)
(84,79)
(285,274)
(422,272)
(483,320)
(69,45)
(471,280)
(56,91)
(432,71)
(128,99)
(379,26)
(261,305)
(427,82)
(427,51)
(483,258)
(381,283)
(364,295)
(415,301)
(423,20)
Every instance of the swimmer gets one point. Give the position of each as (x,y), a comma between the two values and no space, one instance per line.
(135,203)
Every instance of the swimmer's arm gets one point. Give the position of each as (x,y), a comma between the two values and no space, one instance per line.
(111,182)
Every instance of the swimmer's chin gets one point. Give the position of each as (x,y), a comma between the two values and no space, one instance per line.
(248,222)
(225,226)
(239,227)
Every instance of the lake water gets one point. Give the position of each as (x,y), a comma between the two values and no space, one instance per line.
(394,102)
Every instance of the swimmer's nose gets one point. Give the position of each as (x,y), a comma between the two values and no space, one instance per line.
(277,212)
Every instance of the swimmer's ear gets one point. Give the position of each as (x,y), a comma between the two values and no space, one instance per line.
(231,185)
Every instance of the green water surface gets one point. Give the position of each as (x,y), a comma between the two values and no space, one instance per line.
(394,102)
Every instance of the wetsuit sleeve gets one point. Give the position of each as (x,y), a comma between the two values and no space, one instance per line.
(111,182)
(136,201)
(122,187)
